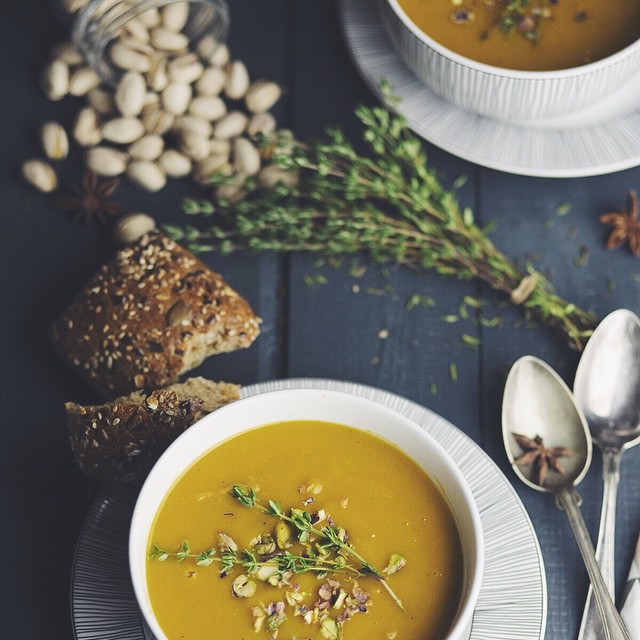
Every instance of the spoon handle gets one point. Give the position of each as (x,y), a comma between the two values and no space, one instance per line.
(612,624)
(591,626)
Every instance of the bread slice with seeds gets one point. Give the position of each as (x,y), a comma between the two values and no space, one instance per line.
(121,440)
(147,317)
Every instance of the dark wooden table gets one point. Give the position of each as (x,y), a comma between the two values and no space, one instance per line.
(318,331)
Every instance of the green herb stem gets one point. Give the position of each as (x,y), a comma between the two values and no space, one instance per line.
(297,564)
(389,206)
(301,521)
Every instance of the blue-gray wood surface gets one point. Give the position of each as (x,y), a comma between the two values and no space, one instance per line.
(329,330)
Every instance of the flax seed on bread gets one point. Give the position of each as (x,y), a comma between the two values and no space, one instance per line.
(121,440)
(147,317)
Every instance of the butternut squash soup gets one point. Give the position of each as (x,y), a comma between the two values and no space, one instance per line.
(308,530)
(533,35)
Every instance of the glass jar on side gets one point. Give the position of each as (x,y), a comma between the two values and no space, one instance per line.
(117,36)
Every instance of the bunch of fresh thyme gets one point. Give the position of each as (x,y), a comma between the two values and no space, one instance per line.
(389,205)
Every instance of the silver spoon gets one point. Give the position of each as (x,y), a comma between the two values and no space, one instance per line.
(538,403)
(607,390)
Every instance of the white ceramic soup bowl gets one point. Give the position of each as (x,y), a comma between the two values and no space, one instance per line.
(310,404)
(519,97)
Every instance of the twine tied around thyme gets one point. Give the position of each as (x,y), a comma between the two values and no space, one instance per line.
(524,289)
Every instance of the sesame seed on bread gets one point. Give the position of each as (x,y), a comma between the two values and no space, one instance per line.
(147,317)
(121,440)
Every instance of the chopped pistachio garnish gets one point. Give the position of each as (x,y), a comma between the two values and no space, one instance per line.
(329,536)
(283,534)
(396,562)
(331,629)
(462,16)
(243,587)
(275,616)
(301,542)
(524,17)
(263,545)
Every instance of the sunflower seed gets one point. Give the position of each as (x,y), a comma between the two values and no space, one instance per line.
(176,97)
(220,56)
(261,123)
(151,99)
(130,93)
(82,81)
(86,129)
(106,161)
(131,227)
(262,95)
(168,40)
(54,140)
(246,157)
(158,74)
(175,164)
(230,126)
(237,80)
(195,125)
(40,175)
(207,167)
(175,16)
(137,29)
(101,100)
(123,130)
(55,80)
(207,47)
(208,107)
(185,69)
(272,174)
(232,190)
(130,57)
(193,145)
(211,82)
(156,121)
(150,18)
(219,147)
(147,175)
(148,147)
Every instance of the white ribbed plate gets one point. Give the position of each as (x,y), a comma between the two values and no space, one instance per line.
(602,139)
(513,598)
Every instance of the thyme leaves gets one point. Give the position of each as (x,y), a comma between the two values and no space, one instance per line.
(329,537)
(321,549)
(389,205)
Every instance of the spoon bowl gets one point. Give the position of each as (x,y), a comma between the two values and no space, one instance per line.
(607,389)
(537,403)
(607,383)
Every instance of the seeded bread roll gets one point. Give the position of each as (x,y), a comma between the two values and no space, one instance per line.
(151,314)
(121,440)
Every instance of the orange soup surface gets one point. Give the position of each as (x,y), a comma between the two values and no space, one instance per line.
(533,35)
(375,498)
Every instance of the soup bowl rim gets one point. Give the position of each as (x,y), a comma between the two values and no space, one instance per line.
(201,438)
(523,74)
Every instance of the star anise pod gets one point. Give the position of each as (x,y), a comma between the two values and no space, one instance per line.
(540,457)
(90,201)
(626,226)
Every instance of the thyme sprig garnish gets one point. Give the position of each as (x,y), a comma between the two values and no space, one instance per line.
(389,205)
(329,536)
(283,561)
